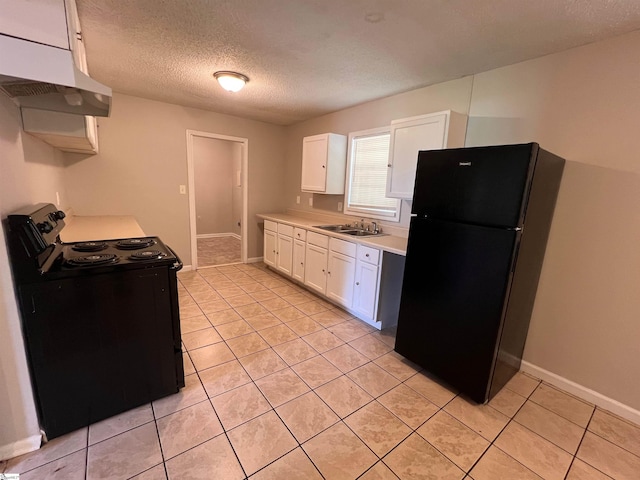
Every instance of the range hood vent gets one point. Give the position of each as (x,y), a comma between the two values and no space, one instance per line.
(45,78)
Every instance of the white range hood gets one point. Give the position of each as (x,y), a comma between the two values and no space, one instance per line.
(43,77)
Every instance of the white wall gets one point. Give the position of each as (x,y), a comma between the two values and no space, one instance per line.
(582,104)
(143,160)
(213,165)
(30,172)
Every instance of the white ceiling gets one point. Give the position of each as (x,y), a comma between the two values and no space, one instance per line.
(305,58)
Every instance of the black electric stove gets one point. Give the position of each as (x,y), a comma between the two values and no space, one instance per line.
(100,320)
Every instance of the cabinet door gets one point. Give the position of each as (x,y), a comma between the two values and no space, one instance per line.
(407,139)
(42,21)
(284,254)
(340,278)
(270,248)
(314,163)
(298,259)
(366,290)
(315,272)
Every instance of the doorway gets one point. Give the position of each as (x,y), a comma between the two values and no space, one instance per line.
(217,172)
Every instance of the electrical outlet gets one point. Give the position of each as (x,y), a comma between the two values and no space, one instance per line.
(58,199)
(339,206)
(183,189)
(311,201)
(298,199)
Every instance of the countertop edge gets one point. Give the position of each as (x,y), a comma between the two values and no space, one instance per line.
(387,243)
(100,227)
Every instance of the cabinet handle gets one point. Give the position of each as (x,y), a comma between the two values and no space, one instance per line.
(322,166)
(323,270)
(329,273)
(357,283)
(366,255)
(389,165)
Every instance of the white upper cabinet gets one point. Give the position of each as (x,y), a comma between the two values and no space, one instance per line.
(410,135)
(42,21)
(76,41)
(324,160)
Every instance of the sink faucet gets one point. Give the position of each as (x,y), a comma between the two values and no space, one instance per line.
(374,227)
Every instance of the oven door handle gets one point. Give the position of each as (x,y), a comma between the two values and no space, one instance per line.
(177,265)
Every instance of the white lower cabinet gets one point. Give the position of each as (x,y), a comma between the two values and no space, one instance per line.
(365,292)
(345,272)
(299,247)
(270,239)
(340,278)
(284,254)
(315,272)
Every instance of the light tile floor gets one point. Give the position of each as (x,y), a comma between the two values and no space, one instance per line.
(283,385)
(218,251)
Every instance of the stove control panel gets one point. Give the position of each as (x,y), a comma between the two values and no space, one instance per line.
(38,226)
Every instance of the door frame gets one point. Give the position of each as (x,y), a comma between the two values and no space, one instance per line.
(244,166)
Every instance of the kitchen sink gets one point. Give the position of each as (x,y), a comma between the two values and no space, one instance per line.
(334,228)
(362,233)
(349,230)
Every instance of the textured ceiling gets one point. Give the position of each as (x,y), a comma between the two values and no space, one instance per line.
(305,58)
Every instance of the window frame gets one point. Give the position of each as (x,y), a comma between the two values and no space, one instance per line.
(365,212)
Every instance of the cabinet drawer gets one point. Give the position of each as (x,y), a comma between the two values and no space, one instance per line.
(271,226)
(340,246)
(368,254)
(299,234)
(318,240)
(285,230)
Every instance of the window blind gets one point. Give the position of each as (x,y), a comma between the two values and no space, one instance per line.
(370,155)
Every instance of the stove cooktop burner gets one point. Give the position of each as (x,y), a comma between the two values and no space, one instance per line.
(135,243)
(147,255)
(91,260)
(89,246)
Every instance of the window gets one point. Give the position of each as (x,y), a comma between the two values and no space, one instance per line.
(367,176)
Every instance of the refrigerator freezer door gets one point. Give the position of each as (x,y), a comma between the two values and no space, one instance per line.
(455,283)
(483,185)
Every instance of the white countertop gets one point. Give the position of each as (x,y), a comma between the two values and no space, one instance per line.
(100,227)
(388,243)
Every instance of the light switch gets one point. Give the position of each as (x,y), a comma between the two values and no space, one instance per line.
(311,201)
(298,199)
(339,206)
(183,189)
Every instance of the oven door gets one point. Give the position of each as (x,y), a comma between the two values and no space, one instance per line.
(99,345)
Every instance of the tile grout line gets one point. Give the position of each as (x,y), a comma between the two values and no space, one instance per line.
(224,431)
(341,420)
(584,434)
(500,433)
(511,418)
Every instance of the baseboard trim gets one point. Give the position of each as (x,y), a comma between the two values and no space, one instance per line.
(186,268)
(20,447)
(254,259)
(583,392)
(216,235)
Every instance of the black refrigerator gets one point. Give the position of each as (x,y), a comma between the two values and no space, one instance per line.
(480,222)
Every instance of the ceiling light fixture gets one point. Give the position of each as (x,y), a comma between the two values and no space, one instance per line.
(231,81)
